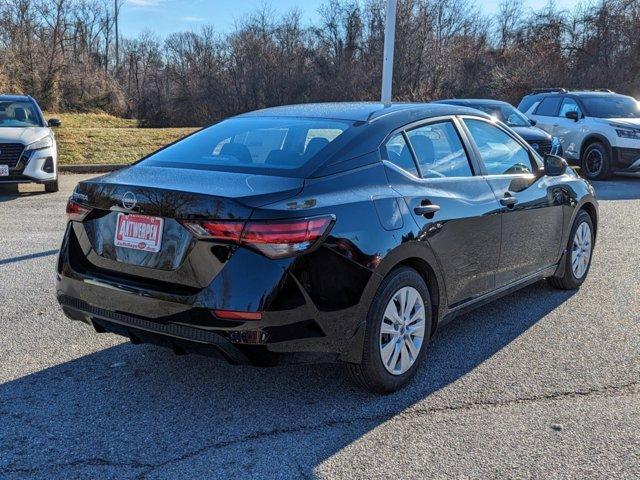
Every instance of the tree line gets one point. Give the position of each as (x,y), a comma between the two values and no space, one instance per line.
(69,56)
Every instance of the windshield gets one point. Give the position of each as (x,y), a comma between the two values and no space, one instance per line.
(252,142)
(505,113)
(19,114)
(612,107)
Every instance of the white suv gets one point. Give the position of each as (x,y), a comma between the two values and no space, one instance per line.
(28,150)
(598,130)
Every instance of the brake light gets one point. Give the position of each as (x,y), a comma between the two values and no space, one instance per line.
(76,212)
(274,238)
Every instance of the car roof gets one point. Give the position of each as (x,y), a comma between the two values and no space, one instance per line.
(14,98)
(473,101)
(361,111)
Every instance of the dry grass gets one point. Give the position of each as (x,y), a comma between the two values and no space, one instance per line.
(101,138)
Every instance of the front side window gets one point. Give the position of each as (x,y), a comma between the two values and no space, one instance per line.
(399,154)
(439,151)
(614,106)
(569,105)
(19,114)
(500,153)
(548,107)
(261,143)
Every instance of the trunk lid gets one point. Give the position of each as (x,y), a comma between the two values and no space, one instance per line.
(171,194)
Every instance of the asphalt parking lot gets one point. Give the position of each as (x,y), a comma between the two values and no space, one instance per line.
(541,384)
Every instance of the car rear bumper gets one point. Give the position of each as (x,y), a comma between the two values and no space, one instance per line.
(186,320)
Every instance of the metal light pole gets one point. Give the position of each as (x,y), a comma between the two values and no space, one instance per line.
(389,41)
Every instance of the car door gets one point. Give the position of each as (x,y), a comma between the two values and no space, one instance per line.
(531,203)
(454,208)
(546,113)
(568,130)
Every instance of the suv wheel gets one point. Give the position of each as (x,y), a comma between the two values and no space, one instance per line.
(596,163)
(577,255)
(397,333)
(51,187)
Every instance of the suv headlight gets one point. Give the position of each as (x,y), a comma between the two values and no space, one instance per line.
(46,142)
(624,133)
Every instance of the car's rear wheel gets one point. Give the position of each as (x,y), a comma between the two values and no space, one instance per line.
(596,162)
(51,187)
(397,333)
(577,255)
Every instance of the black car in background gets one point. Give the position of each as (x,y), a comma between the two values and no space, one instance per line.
(540,141)
(352,230)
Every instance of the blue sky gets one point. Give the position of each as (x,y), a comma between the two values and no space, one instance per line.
(167,16)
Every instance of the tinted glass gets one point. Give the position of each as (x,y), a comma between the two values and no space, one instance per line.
(501,154)
(527,102)
(569,105)
(262,143)
(548,107)
(614,106)
(439,151)
(19,114)
(399,154)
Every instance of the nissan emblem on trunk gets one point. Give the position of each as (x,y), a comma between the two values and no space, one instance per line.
(129,200)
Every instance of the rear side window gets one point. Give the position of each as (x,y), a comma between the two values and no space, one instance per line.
(548,107)
(527,102)
(261,143)
(500,153)
(398,153)
(439,151)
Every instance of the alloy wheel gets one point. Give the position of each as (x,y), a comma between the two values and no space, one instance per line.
(402,330)
(581,250)
(594,162)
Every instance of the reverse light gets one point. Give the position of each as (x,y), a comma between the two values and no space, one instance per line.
(274,238)
(76,212)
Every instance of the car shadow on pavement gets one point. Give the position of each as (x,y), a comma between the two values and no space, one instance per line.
(141,412)
(11,192)
(620,187)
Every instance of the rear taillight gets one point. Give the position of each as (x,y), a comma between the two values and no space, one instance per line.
(76,212)
(274,238)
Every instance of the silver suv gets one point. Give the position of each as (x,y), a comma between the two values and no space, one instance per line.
(28,151)
(598,130)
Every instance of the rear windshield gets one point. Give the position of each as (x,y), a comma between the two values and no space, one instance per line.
(261,143)
(19,114)
(612,107)
(505,113)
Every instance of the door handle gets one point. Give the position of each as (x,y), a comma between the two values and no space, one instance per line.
(508,200)
(426,209)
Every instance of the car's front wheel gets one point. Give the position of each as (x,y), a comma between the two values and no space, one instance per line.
(596,162)
(51,187)
(397,333)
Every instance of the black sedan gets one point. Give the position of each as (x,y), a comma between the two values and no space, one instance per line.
(540,141)
(347,231)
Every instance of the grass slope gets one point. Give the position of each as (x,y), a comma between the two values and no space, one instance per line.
(86,138)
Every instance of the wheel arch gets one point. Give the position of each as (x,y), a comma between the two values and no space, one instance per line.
(595,138)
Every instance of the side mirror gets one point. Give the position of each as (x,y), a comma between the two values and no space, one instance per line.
(54,122)
(532,122)
(554,166)
(573,115)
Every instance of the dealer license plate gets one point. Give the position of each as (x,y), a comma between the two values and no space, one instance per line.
(139,232)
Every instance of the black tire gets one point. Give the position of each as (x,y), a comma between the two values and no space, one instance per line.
(371,373)
(51,187)
(596,162)
(568,280)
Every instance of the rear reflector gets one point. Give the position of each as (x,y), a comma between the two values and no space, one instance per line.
(235,315)
(76,212)
(274,238)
